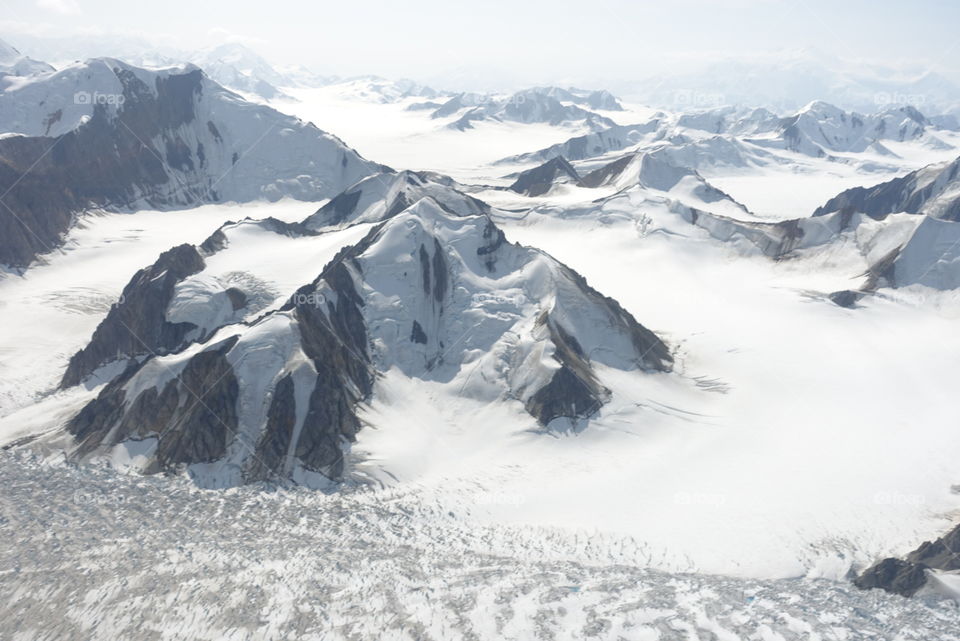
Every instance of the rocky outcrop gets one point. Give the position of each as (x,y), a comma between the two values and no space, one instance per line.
(908,576)
(137,324)
(933,190)
(191,416)
(541,179)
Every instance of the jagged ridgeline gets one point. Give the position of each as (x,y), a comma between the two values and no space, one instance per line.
(433,291)
(105,134)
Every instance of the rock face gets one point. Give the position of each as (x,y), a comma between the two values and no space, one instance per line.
(541,179)
(929,254)
(434,294)
(910,575)
(148,139)
(137,325)
(933,190)
(190,417)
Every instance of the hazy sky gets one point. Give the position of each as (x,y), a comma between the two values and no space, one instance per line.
(512,41)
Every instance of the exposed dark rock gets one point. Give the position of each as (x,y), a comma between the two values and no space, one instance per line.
(653,352)
(336,342)
(339,209)
(440,272)
(271,451)
(574,391)
(137,324)
(495,239)
(139,153)
(606,173)
(911,194)
(895,576)
(49,180)
(775,240)
(192,417)
(424,106)
(417,335)
(215,242)
(846,298)
(237,298)
(591,145)
(907,576)
(540,180)
(425,269)
(193,413)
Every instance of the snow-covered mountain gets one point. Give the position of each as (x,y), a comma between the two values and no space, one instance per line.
(384,195)
(141,323)
(930,198)
(537,105)
(820,128)
(434,293)
(238,67)
(591,145)
(739,137)
(13,63)
(600,99)
(933,191)
(105,134)
(382,90)
(648,172)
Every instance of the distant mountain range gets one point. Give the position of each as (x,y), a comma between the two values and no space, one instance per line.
(784,83)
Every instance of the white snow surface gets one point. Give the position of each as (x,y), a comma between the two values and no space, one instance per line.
(796,442)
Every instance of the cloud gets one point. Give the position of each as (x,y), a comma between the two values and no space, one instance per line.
(65,7)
